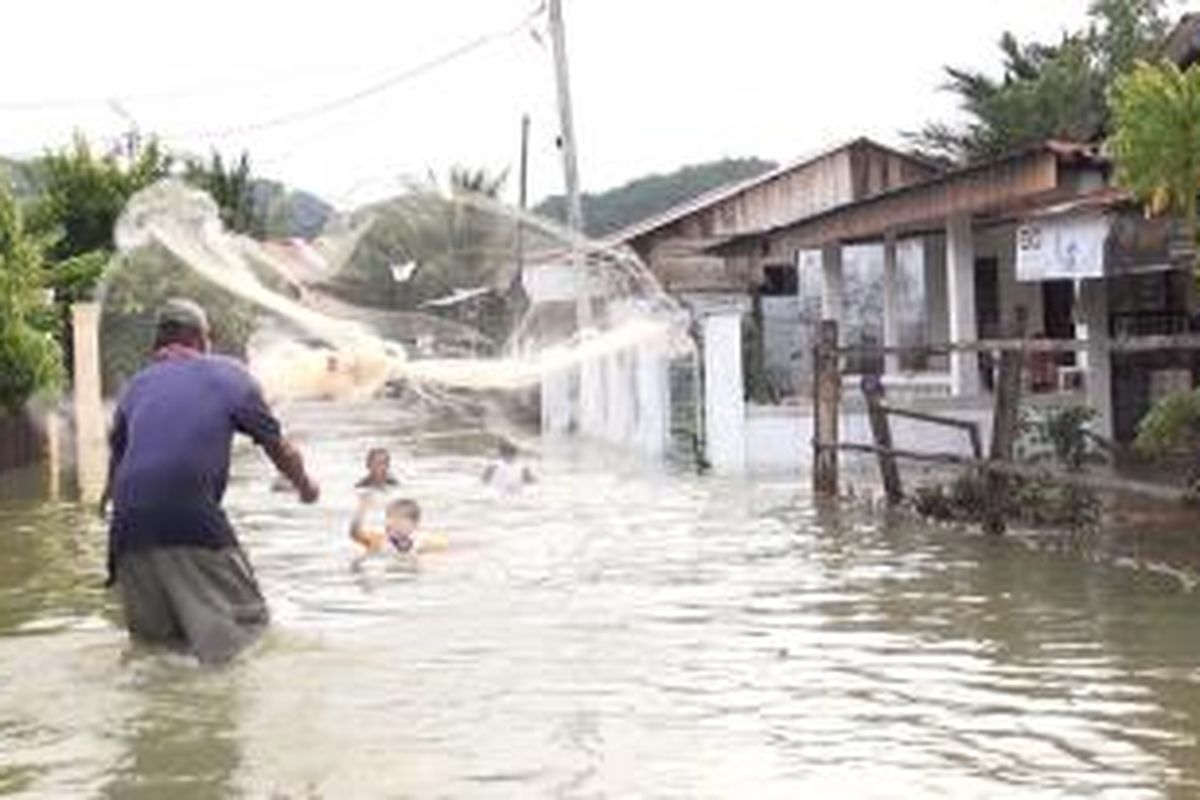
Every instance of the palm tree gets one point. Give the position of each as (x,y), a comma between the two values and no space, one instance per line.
(1157,138)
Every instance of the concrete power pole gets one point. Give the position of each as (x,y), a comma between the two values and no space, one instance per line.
(567,143)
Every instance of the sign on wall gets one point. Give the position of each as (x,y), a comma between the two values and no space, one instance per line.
(1054,248)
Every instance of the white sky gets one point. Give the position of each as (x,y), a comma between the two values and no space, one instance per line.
(656,83)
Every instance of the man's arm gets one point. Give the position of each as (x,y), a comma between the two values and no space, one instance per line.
(253,417)
(117,438)
(290,463)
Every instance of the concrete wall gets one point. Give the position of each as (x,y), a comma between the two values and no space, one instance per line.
(779,439)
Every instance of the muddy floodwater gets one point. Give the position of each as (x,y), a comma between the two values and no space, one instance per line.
(615,631)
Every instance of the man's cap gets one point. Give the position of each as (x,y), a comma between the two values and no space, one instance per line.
(183,312)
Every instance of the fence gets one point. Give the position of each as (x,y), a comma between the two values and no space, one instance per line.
(999,463)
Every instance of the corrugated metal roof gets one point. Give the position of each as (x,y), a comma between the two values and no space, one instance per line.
(728,191)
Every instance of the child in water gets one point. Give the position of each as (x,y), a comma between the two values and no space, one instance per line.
(379,470)
(400,528)
(505,475)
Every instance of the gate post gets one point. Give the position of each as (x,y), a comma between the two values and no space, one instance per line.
(827,396)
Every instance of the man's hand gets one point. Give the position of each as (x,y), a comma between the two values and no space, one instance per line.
(310,492)
(290,463)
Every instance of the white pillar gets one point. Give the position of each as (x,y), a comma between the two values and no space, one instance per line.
(832,283)
(960,292)
(91,446)
(724,403)
(1094,298)
(556,402)
(619,390)
(891,305)
(592,397)
(653,400)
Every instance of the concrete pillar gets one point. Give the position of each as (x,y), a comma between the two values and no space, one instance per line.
(832,283)
(891,305)
(724,403)
(592,397)
(1094,299)
(618,382)
(960,292)
(556,402)
(91,445)
(653,400)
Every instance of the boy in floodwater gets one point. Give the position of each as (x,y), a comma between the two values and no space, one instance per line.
(379,470)
(504,474)
(400,528)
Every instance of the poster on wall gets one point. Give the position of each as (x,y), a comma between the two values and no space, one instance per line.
(1063,247)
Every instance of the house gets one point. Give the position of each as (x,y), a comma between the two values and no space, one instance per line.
(675,244)
(1040,229)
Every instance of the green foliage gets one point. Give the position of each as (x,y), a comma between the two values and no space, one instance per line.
(1057,436)
(1062,431)
(1046,91)
(30,359)
(607,212)
(232,188)
(82,195)
(1157,137)
(1171,426)
(456,244)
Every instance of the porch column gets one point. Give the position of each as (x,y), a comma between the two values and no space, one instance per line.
(556,402)
(832,282)
(593,397)
(891,305)
(620,397)
(1093,296)
(653,399)
(91,443)
(724,403)
(960,293)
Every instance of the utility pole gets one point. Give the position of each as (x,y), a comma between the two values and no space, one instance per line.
(524,194)
(583,308)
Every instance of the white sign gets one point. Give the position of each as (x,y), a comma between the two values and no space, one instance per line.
(1053,248)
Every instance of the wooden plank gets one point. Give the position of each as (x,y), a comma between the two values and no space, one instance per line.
(1084,480)
(889,472)
(972,428)
(973,190)
(1129,344)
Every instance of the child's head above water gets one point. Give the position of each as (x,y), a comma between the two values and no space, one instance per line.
(379,468)
(403,517)
(507,450)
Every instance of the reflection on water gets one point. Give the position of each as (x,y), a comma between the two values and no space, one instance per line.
(612,632)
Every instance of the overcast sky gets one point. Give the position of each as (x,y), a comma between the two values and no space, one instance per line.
(656,83)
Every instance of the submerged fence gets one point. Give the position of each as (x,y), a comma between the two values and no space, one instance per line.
(1012,353)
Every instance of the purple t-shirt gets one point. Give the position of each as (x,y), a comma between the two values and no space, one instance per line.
(171,441)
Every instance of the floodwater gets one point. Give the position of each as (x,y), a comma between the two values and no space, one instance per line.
(615,631)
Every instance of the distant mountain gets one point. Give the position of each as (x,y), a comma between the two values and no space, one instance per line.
(290,212)
(607,212)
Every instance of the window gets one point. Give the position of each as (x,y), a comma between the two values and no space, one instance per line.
(780,280)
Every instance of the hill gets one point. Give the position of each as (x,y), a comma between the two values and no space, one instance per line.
(607,212)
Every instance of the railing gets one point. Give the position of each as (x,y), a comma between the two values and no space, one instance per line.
(999,464)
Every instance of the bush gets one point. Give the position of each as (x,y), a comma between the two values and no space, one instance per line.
(30,358)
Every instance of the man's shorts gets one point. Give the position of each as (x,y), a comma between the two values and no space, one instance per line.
(195,599)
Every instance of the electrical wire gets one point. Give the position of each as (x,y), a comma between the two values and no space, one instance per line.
(338,103)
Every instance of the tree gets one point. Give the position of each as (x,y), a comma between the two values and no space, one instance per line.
(456,241)
(232,187)
(1046,91)
(1157,138)
(30,359)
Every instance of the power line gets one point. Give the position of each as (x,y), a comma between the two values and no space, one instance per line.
(379,87)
